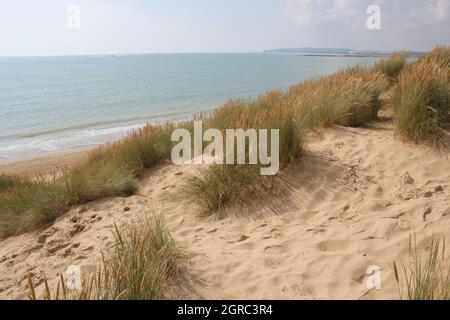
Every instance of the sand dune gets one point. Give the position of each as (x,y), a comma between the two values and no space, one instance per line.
(350,202)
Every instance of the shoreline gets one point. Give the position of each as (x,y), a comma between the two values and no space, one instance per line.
(45,163)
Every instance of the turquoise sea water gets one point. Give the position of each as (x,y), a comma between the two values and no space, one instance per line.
(50,104)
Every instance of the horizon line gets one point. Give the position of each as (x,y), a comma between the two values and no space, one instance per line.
(190,52)
(127,54)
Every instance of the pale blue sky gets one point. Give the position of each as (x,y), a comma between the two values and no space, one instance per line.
(38,27)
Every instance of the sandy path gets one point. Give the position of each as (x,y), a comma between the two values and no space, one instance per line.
(349,203)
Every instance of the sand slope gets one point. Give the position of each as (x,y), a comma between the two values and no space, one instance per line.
(351,202)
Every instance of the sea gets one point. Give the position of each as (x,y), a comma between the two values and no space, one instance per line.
(53,104)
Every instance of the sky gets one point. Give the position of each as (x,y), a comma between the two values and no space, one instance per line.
(76,27)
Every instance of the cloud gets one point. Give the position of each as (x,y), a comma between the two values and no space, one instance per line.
(440,10)
(309,13)
(300,11)
(405,24)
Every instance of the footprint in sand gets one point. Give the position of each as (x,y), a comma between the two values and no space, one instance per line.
(243,244)
(274,249)
(56,247)
(333,245)
(240,239)
(271,262)
(76,229)
(42,238)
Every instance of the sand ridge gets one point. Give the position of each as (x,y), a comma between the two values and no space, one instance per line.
(352,201)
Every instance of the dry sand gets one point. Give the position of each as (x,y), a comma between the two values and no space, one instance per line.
(352,201)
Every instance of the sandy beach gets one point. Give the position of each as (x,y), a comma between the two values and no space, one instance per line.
(367,193)
(45,163)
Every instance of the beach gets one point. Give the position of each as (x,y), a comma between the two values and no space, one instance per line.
(45,164)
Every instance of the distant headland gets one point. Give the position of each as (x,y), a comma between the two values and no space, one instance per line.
(338,52)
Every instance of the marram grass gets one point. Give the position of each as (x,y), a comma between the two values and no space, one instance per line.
(421,100)
(440,55)
(215,188)
(349,97)
(393,66)
(144,264)
(424,277)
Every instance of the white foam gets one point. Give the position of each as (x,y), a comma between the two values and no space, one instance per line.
(42,145)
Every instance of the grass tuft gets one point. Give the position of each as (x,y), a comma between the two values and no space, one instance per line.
(9,182)
(216,187)
(421,100)
(424,278)
(393,66)
(144,264)
(349,97)
(440,55)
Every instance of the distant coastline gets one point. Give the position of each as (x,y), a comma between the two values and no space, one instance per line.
(373,55)
(340,52)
